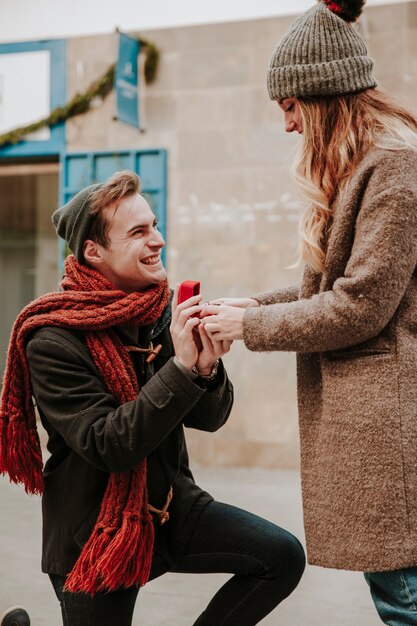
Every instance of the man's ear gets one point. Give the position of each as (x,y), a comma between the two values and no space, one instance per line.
(92,252)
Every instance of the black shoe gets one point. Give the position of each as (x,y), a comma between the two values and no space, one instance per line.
(15,616)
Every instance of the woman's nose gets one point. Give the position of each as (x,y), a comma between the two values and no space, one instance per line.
(290,126)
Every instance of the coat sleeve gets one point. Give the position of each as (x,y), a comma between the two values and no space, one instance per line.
(365,298)
(73,400)
(285,294)
(213,408)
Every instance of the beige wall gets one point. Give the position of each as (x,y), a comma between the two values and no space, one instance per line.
(232,208)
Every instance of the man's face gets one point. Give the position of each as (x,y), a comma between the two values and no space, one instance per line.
(132,260)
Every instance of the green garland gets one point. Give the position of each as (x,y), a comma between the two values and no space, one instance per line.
(82,101)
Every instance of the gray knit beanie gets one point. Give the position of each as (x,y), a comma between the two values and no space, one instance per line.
(73,221)
(321,54)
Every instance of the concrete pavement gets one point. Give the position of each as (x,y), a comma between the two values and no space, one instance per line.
(323,598)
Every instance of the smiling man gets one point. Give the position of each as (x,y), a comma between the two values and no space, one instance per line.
(116,378)
(123,242)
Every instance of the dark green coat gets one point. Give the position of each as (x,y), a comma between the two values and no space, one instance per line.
(91,436)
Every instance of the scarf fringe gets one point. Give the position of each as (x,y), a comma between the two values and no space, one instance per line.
(129,556)
(84,577)
(110,560)
(21,458)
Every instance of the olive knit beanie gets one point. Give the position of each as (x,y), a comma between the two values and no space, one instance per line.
(321,54)
(73,221)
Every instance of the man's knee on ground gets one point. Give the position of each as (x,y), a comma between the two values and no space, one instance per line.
(287,560)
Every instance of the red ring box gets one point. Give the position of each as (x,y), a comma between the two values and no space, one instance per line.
(188,289)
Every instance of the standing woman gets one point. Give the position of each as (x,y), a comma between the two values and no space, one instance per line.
(353,319)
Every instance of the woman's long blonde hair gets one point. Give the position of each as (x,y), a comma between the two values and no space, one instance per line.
(337,133)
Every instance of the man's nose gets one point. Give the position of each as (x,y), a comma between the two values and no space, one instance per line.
(157,240)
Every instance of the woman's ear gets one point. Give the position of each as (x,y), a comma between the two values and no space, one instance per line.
(92,252)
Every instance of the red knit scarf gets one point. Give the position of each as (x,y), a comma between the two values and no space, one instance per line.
(119,550)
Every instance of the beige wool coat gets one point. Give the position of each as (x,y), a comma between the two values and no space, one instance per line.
(354,329)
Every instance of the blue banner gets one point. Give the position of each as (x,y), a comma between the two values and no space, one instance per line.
(126,81)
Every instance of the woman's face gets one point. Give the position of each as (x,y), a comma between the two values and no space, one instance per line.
(292,113)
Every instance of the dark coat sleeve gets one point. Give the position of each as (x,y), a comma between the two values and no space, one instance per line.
(213,408)
(72,398)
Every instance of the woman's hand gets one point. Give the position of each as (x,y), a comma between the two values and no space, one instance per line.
(182,328)
(243,303)
(223,323)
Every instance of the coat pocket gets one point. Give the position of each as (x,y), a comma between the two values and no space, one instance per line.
(340,355)
(361,384)
(83,532)
(377,346)
(157,393)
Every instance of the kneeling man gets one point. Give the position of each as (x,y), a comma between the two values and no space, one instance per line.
(116,377)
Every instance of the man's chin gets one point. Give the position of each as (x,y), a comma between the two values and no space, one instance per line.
(159,278)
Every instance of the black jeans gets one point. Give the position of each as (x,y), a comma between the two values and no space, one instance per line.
(267,563)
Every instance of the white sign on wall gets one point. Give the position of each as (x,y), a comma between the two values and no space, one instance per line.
(25,91)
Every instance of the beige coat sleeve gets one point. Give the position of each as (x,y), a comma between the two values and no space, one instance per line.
(362,301)
(286,294)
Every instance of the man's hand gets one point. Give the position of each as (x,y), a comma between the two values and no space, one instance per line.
(181,328)
(212,350)
(223,323)
(243,303)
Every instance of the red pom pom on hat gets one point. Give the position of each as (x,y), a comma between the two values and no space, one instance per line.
(348,10)
(332,6)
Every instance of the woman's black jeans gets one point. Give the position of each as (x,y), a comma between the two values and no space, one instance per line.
(267,563)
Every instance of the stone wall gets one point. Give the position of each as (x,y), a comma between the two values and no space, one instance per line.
(232,207)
